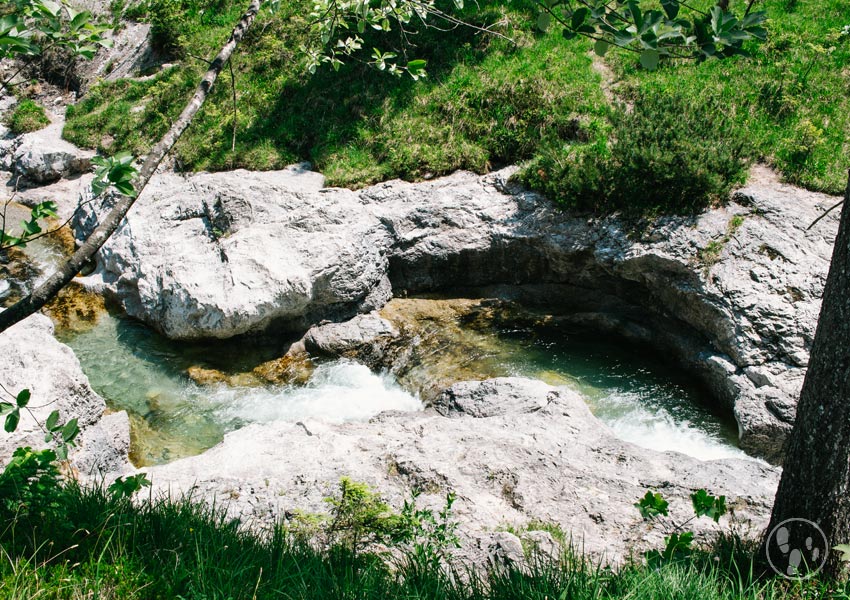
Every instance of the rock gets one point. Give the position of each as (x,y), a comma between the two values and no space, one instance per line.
(742,321)
(427,344)
(542,545)
(540,458)
(294,368)
(335,339)
(217,255)
(204,376)
(75,309)
(131,54)
(44,157)
(493,397)
(31,358)
(504,549)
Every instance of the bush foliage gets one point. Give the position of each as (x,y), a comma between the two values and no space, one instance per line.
(666,154)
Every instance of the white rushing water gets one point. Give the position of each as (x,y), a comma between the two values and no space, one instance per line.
(172,416)
(657,429)
(338,391)
(640,399)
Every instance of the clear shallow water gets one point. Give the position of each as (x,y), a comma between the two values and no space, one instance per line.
(136,370)
(629,389)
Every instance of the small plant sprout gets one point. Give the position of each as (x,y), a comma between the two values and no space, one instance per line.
(678,542)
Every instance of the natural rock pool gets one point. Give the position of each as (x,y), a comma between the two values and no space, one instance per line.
(173,414)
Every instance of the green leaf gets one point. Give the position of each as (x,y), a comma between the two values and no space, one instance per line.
(677,545)
(12,420)
(23,398)
(544,19)
(6,407)
(79,20)
(601,47)
(70,431)
(637,15)
(42,210)
(649,59)
(30,228)
(706,505)
(652,505)
(52,421)
(579,17)
(568,33)
(126,188)
(623,38)
(671,8)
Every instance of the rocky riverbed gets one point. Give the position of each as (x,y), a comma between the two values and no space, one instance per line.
(732,296)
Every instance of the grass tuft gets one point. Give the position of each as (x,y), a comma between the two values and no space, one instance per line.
(27,116)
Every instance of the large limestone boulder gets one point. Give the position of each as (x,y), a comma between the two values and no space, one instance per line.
(513,451)
(732,294)
(44,157)
(217,255)
(31,358)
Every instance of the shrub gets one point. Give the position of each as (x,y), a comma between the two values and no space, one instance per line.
(167,21)
(27,116)
(667,153)
(674,155)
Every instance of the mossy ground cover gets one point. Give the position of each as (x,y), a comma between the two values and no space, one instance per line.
(27,116)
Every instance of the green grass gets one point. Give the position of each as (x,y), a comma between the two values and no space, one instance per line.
(26,117)
(791,99)
(487,103)
(113,548)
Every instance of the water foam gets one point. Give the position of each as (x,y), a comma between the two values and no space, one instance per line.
(339,391)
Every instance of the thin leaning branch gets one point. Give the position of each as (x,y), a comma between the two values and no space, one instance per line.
(69,269)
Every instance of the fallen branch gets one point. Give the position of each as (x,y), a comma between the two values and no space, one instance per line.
(69,269)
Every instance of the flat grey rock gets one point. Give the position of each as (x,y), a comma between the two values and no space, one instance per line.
(541,457)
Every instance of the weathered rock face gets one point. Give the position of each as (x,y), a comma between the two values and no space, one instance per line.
(732,294)
(44,157)
(513,450)
(217,255)
(131,54)
(30,357)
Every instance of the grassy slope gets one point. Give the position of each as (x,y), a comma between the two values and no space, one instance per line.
(486,103)
(792,98)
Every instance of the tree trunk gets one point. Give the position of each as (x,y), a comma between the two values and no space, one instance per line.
(815,483)
(69,269)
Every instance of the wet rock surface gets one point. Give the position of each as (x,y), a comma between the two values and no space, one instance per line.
(515,451)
